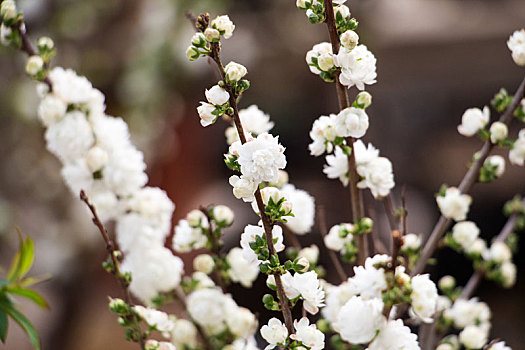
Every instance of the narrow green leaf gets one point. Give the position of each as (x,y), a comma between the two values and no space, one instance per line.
(29,294)
(13,270)
(23,322)
(27,257)
(30,281)
(4,323)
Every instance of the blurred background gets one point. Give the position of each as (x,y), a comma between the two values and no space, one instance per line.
(435,59)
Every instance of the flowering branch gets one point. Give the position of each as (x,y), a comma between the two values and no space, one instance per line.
(267,225)
(342,96)
(477,277)
(115,269)
(466,183)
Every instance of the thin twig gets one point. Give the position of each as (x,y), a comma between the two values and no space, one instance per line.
(342,96)
(397,242)
(267,225)
(390,210)
(110,247)
(333,256)
(466,184)
(404,214)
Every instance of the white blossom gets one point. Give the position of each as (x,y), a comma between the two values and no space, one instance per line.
(96,158)
(411,241)
(274,333)
(217,95)
(465,233)
(303,205)
(154,270)
(34,65)
(349,39)
(205,111)
(337,166)
(317,50)
(498,163)
(212,34)
(424,297)
(124,173)
(8,10)
(333,239)
(468,312)
(446,282)
(396,336)
(508,272)
(473,120)
(155,318)
(51,110)
(203,263)
(254,122)
(241,322)
(187,238)
(336,297)
(368,280)
(473,337)
(240,270)
(306,285)
(377,176)
(209,308)
(243,187)
(351,122)
(196,218)
(183,333)
(261,158)
(454,205)
(343,10)
(308,334)
(478,247)
(499,346)
(248,236)
(202,280)
(358,67)
(517,152)
(224,25)
(359,320)
(235,71)
(322,135)
(516,45)
(310,253)
(498,132)
(223,215)
(498,252)
(152,344)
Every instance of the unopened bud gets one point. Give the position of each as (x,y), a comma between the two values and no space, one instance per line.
(34,65)
(203,263)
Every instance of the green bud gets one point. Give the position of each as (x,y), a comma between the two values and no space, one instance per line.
(192,53)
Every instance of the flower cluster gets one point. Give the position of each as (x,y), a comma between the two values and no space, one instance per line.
(516,45)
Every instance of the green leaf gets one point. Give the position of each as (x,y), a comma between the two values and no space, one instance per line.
(4,323)
(30,281)
(23,322)
(23,259)
(29,294)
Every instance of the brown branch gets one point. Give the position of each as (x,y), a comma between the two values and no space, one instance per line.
(267,225)
(110,247)
(477,277)
(342,96)
(333,256)
(397,242)
(466,184)
(404,207)
(390,210)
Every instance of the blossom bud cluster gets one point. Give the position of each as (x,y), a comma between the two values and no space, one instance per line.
(340,239)
(516,45)
(376,172)
(453,204)
(220,26)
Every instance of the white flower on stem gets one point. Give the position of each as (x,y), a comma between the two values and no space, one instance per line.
(473,120)
(468,312)
(333,239)
(223,215)
(337,166)
(316,51)
(198,39)
(395,335)
(235,71)
(209,309)
(508,272)
(240,270)
(377,176)
(308,334)
(254,122)
(306,285)
(352,122)
(51,110)
(517,152)
(358,67)
(368,280)
(34,65)
(465,233)
(274,333)
(8,10)
(124,173)
(5,34)
(155,318)
(203,263)
(241,322)
(411,241)
(498,163)
(272,193)
(473,337)
(336,297)
(248,236)
(325,61)
(359,320)
(499,346)
(424,297)
(196,218)
(217,95)
(154,270)
(192,53)
(243,187)
(454,205)
(152,344)
(202,280)
(322,135)
(364,155)
(343,10)
(349,39)
(224,25)
(478,247)
(212,34)
(205,111)
(71,137)
(516,45)
(184,333)
(187,238)
(498,132)
(154,205)
(96,158)
(364,99)
(303,205)
(310,253)
(498,252)
(446,282)
(261,158)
